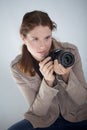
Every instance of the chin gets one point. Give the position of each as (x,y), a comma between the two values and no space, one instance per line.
(40,57)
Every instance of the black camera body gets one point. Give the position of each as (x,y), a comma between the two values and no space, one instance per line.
(65,58)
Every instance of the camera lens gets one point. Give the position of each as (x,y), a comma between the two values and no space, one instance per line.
(66,59)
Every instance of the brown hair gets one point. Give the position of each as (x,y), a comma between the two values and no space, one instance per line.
(29,22)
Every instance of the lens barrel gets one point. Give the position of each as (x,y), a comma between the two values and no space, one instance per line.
(65,58)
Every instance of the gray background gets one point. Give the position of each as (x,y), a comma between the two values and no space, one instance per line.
(71,18)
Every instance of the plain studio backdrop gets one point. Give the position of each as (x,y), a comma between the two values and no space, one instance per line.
(71,19)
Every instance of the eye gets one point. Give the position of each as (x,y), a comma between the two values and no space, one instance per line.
(36,39)
(48,37)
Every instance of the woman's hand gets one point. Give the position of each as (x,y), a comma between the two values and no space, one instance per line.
(47,69)
(60,70)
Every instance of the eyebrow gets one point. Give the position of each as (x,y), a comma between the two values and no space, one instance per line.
(34,36)
(45,37)
(48,36)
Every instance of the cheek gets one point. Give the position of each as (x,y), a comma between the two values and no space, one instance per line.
(49,44)
(31,48)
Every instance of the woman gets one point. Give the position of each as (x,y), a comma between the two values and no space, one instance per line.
(56,95)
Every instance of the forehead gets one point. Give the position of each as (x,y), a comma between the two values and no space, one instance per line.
(40,31)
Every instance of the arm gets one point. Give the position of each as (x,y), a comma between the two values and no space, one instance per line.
(38,95)
(73,80)
(77,86)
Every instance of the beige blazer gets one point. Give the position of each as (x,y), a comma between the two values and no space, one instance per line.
(46,103)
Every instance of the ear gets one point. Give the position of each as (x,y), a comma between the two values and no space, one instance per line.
(23,38)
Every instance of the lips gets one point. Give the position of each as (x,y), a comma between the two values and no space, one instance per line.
(42,52)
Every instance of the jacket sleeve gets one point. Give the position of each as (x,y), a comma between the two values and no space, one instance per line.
(43,99)
(38,100)
(77,86)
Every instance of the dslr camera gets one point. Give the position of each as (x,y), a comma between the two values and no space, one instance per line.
(65,58)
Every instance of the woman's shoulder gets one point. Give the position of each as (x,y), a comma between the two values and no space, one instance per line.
(64,45)
(15,66)
(15,61)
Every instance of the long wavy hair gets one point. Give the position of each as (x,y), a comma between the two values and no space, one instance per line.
(29,22)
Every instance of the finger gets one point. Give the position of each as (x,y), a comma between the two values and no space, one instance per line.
(49,71)
(48,64)
(43,64)
(50,68)
(45,61)
(56,62)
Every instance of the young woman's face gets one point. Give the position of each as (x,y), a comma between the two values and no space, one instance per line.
(39,42)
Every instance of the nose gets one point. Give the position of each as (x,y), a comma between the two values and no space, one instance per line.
(42,45)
